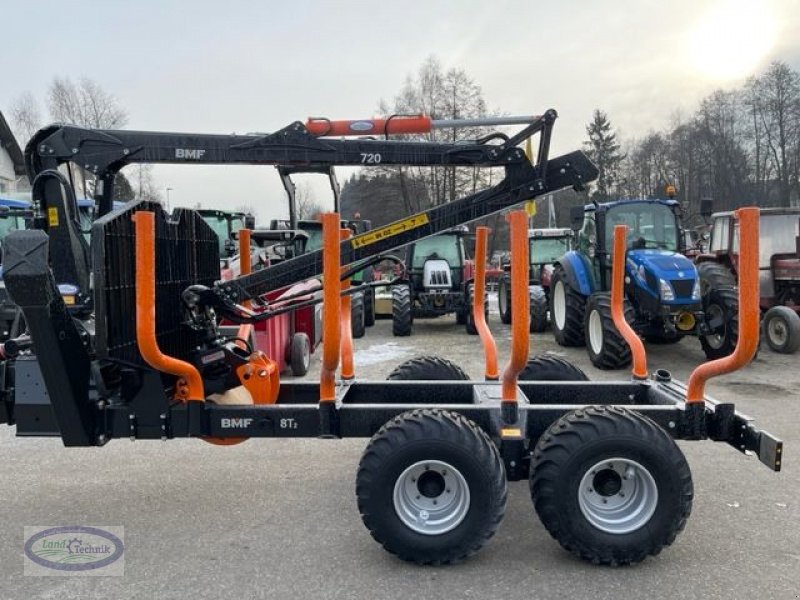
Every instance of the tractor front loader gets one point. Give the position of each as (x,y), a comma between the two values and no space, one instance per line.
(607,478)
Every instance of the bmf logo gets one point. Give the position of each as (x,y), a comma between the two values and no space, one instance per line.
(235,423)
(189,153)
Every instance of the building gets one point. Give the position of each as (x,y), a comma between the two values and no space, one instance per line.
(13,180)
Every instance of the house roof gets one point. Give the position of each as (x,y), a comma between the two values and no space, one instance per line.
(9,143)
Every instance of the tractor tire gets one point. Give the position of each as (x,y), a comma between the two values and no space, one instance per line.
(369,306)
(402,318)
(567,309)
(782,329)
(504,299)
(538,308)
(300,354)
(548,367)
(472,328)
(582,465)
(714,276)
(606,346)
(357,315)
(461,317)
(428,368)
(431,487)
(721,305)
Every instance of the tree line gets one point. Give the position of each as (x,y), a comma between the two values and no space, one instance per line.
(740,146)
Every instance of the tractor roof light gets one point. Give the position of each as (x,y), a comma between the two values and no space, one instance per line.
(667,294)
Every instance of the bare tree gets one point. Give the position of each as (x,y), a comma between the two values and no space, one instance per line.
(143,183)
(776,101)
(308,207)
(85,104)
(26,118)
(440,94)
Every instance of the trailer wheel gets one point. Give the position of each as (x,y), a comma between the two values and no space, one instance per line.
(538,304)
(606,346)
(300,354)
(431,487)
(782,329)
(357,315)
(547,367)
(369,307)
(610,485)
(721,307)
(567,308)
(714,276)
(402,318)
(428,368)
(504,299)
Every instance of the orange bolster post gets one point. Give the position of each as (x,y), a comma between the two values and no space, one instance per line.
(331,301)
(749,311)
(190,387)
(617,300)
(394,125)
(478,313)
(245,267)
(520,306)
(348,369)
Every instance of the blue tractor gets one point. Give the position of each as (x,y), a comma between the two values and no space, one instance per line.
(664,297)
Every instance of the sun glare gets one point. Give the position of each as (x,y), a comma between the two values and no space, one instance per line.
(732,38)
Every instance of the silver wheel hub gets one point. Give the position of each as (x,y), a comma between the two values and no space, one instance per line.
(618,496)
(431,497)
(714,315)
(559,305)
(596,332)
(777,331)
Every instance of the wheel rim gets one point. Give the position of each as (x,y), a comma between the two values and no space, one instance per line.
(431,497)
(595,332)
(501,299)
(716,339)
(559,305)
(306,355)
(777,331)
(618,495)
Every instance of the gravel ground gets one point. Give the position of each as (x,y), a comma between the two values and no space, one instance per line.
(277,518)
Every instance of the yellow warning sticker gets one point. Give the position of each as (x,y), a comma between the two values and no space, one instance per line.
(510,432)
(370,237)
(52,216)
(69,300)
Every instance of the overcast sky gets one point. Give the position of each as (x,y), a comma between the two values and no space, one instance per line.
(221,67)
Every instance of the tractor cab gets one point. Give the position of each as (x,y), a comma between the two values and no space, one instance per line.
(546,247)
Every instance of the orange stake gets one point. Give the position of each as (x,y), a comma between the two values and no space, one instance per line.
(617,300)
(331,300)
(348,370)
(478,313)
(749,312)
(520,304)
(189,387)
(245,267)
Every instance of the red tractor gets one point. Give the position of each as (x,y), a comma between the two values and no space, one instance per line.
(779,265)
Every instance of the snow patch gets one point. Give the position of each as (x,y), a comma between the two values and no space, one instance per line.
(390,351)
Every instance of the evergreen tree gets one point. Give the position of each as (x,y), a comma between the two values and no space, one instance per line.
(604,150)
